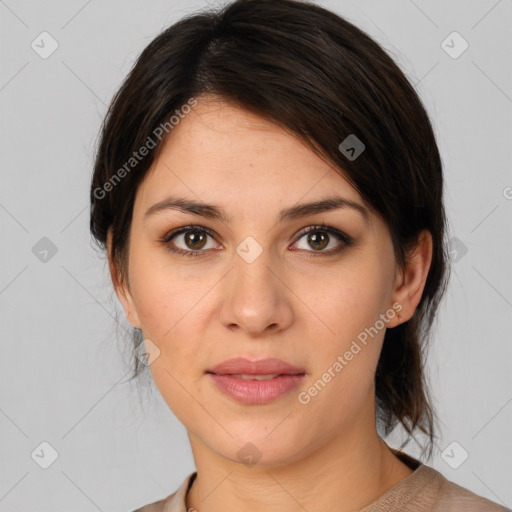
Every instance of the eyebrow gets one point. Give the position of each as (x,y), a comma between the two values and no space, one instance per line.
(212,211)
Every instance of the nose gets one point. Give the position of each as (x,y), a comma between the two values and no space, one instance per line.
(256,299)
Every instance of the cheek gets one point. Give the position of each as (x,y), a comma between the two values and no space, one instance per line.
(167,318)
(169,301)
(168,309)
(347,314)
(161,294)
(350,298)
(345,358)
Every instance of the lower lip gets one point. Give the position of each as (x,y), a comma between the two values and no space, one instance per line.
(256,391)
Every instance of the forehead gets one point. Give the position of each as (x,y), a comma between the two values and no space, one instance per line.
(226,155)
(222,135)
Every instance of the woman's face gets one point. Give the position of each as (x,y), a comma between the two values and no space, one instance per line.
(255,285)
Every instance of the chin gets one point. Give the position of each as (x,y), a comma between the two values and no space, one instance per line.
(261,449)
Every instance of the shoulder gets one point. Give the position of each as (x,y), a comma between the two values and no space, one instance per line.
(175,502)
(428,490)
(156,506)
(453,497)
(447,496)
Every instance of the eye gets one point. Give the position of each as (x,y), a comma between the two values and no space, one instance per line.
(318,238)
(193,240)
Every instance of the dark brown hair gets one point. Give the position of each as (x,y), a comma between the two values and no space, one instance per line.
(322,79)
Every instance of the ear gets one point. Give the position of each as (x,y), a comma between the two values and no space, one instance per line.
(121,287)
(410,282)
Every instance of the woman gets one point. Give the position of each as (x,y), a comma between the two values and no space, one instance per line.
(270,195)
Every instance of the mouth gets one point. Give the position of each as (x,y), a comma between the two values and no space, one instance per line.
(263,369)
(256,382)
(256,377)
(256,389)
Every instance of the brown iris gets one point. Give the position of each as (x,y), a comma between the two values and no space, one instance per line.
(319,239)
(195,239)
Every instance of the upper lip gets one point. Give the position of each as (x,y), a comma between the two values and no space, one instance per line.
(240,365)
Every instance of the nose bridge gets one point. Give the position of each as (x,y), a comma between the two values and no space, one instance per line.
(257,297)
(253,268)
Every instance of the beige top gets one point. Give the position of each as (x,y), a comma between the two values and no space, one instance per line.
(425,489)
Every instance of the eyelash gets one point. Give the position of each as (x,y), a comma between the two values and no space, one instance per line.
(346,239)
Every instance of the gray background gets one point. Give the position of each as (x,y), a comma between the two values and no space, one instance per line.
(62,369)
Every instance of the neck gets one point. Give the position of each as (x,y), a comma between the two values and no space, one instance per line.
(352,470)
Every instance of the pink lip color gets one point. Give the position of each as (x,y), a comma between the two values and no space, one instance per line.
(256,391)
(260,367)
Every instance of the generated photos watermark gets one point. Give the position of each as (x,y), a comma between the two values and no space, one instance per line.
(143,151)
(341,361)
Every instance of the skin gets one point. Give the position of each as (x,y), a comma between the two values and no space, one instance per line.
(202,310)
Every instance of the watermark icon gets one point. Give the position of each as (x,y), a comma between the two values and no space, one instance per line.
(44,45)
(248,249)
(143,151)
(352,147)
(249,454)
(44,250)
(149,354)
(454,455)
(458,249)
(304,397)
(44,455)
(507,192)
(454,45)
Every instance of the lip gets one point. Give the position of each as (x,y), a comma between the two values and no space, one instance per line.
(256,392)
(262,367)
(253,391)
